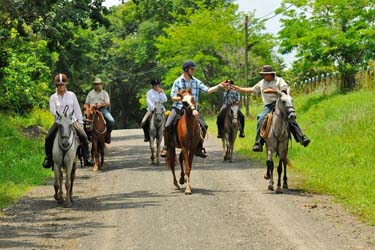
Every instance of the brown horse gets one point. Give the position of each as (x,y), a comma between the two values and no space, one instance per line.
(96,126)
(231,125)
(188,136)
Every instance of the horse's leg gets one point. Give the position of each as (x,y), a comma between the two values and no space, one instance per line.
(152,148)
(157,153)
(182,176)
(102,145)
(188,165)
(270,167)
(72,178)
(95,154)
(56,169)
(60,198)
(285,179)
(69,166)
(224,149)
(279,172)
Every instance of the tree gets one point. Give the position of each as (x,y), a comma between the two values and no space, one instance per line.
(329,33)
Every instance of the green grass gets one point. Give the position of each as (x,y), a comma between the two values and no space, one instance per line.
(20,157)
(340,159)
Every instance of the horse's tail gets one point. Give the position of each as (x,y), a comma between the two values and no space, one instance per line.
(171,149)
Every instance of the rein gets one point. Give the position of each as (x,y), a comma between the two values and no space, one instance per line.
(96,117)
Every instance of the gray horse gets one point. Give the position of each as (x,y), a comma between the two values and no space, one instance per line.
(231,125)
(278,138)
(156,132)
(65,156)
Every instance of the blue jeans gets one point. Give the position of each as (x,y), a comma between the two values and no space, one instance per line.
(108,117)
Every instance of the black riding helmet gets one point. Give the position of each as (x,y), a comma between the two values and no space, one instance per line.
(155,82)
(188,64)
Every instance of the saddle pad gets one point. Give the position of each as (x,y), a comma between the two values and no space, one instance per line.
(266,125)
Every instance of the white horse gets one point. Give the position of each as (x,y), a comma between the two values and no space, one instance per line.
(65,156)
(278,138)
(156,132)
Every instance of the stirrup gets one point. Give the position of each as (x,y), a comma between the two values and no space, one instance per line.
(47,163)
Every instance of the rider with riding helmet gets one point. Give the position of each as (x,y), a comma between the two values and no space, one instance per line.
(99,98)
(231,96)
(185,81)
(154,95)
(60,102)
(271,81)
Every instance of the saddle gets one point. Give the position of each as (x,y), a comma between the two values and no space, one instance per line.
(266,126)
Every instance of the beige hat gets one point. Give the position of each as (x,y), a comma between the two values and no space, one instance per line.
(267,70)
(97,80)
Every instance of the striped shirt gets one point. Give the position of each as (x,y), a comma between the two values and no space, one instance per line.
(180,84)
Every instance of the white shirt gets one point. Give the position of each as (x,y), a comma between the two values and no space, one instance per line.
(57,103)
(276,83)
(153,97)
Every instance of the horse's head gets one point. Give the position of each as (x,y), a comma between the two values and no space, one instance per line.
(285,104)
(234,113)
(65,127)
(187,99)
(158,112)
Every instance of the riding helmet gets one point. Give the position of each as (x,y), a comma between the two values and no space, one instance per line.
(188,64)
(60,78)
(155,82)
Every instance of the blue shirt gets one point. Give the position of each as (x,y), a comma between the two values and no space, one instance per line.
(180,84)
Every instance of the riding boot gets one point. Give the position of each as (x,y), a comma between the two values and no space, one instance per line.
(219,123)
(48,145)
(108,134)
(258,145)
(167,136)
(298,134)
(146,132)
(201,151)
(241,118)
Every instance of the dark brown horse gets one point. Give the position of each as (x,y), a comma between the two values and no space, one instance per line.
(96,126)
(231,125)
(188,136)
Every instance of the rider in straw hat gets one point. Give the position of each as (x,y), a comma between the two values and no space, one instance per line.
(270,80)
(99,98)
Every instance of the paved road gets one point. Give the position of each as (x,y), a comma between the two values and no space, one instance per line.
(133,205)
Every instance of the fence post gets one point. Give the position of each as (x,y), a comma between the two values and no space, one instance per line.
(323,84)
(368,78)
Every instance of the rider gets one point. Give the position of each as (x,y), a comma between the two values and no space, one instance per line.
(270,80)
(185,81)
(154,95)
(57,103)
(231,96)
(99,98)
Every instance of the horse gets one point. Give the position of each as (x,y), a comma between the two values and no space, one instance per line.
(278,138)
(64,154)
(96,126)
(231,125)
(156,132)
(189,136)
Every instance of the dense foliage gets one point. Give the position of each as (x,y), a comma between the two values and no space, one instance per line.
(131,43)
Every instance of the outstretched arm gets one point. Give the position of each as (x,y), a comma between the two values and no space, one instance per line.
(223,84)
(243,89)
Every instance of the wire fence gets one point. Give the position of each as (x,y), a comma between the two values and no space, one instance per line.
(330,82)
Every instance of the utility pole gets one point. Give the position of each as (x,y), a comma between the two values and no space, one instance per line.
(246,55)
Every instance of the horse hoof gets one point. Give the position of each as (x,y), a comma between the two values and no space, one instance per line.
(182,181)
(187,192)
(279,191)
(267,176)
(285,186)
(270,187)
(95,169)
